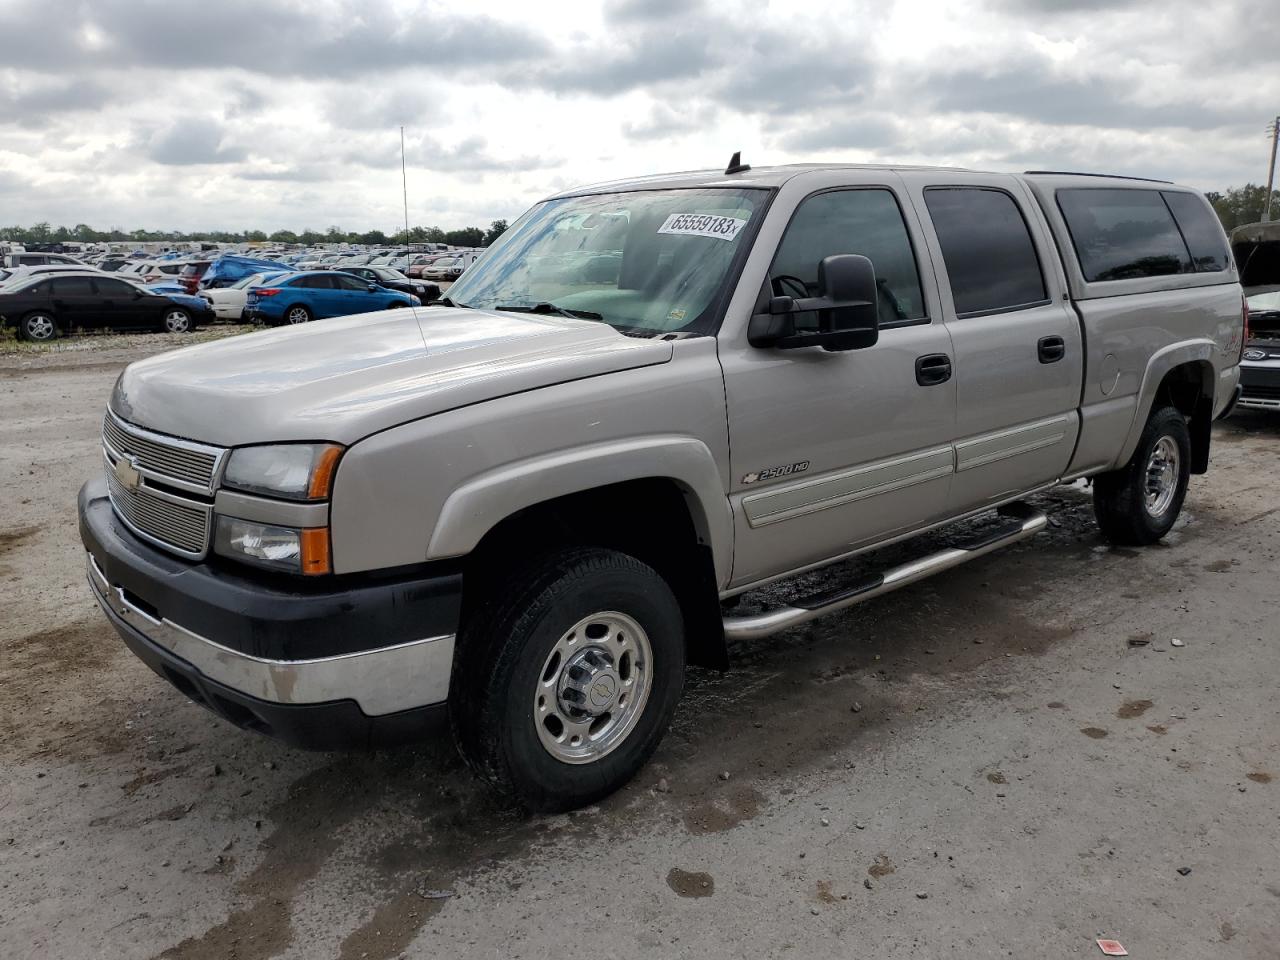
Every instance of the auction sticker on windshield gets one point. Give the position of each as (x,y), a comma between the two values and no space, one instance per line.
(702,225)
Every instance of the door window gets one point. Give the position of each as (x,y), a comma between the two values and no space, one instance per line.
(1123,234)
(991,260)
(72,287)
(866,222)
(314,283)
(352,283)
(114,288)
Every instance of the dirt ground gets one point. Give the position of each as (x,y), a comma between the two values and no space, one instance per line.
(1010,760)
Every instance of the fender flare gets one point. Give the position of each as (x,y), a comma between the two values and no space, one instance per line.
(477,506)
(1161,362)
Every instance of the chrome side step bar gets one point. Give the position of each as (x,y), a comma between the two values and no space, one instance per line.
(1025,522)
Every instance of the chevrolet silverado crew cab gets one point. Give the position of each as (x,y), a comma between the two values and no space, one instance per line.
(528,507)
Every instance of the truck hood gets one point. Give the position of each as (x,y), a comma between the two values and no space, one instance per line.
(344,379)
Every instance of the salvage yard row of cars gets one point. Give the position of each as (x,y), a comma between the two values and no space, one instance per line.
(44,295)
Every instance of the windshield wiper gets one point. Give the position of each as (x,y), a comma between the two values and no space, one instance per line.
(444,302)
(548,307)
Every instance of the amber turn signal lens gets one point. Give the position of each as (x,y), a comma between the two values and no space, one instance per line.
(322,474)
(315,551)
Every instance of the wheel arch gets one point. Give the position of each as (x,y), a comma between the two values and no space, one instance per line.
(1181,375)
(666,521)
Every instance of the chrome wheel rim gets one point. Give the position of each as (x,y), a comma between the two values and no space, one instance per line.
(297,315)
(1162,476)
(175,321)
(40,327)
(593,687)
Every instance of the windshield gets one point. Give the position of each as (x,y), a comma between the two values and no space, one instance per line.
(652,261)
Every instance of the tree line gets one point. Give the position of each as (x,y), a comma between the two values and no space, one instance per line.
(44,233)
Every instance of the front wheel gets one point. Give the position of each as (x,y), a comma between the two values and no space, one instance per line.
(38,327)
(566,682)
(1138,504)
(177,320)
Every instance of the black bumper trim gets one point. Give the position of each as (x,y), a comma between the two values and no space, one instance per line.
(271,620)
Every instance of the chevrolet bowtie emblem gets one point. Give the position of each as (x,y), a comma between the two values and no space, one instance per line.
(127,473)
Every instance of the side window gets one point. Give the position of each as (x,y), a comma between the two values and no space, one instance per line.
(863,221)
(990,257)
(113,288)
(72,287)
(1123,234)
(316,283)
(351,283)
(1201,229)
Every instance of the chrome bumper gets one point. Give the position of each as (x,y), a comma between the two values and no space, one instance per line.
(381,681)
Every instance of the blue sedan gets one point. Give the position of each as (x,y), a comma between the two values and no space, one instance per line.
(317,294)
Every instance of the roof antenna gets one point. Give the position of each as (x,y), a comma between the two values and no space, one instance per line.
(736,165)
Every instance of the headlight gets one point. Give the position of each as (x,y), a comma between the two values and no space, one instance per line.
(295,471)
(278,548)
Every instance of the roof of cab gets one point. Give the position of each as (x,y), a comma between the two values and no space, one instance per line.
(767,177)
(775,176)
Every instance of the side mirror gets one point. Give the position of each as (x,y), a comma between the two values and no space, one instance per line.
(847,308)
(373,288)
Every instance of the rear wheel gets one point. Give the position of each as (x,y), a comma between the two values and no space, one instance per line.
(566,682)
(297,314)
(1138,504)
(177,320)
(38,327)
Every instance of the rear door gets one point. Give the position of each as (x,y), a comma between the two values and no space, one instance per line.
(77,303)
(1018,345)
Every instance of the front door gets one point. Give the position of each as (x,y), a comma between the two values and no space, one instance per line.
(1018,352)
(831,450)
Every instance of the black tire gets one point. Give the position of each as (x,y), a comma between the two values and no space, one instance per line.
(501,660)
(38,326)
(1120,498)
(297,313)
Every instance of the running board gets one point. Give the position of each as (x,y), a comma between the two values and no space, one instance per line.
(1024,522)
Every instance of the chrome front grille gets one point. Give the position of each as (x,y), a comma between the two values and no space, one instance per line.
(183,464)
(161,487)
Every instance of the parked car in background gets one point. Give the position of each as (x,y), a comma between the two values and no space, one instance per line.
(147,270)
(439,269)
(1256,247)
(395,280)
(39,259)
(191,272)
(17,274)
(44,306)
(317,295)
(228,303)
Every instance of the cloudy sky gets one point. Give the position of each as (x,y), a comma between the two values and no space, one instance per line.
(244,114)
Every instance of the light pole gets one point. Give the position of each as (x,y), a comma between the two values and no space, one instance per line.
(1271,170)
(405,186)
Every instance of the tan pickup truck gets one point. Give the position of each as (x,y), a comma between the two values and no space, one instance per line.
(526,508)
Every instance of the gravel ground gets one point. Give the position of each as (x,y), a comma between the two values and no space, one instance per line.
(1010,760)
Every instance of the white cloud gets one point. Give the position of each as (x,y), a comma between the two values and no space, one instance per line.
(286,114)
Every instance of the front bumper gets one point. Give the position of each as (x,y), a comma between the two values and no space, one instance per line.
(1261,379)
(320,667)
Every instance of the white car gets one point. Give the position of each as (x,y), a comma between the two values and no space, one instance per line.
(9,275)
(148,271)
(228,302)
(451,268)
